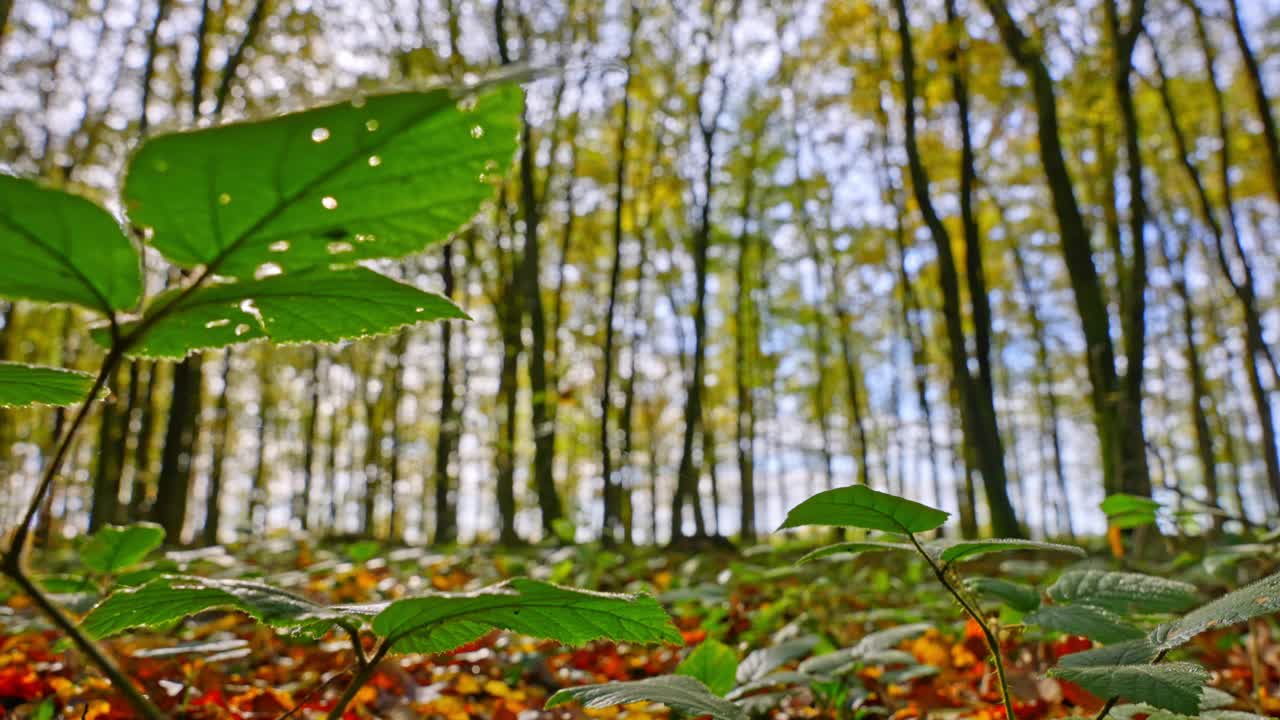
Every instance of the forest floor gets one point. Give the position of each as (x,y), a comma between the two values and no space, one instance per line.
(222,665)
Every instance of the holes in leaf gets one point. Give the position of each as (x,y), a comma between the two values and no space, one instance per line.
(279,246)
(419,309)
(217,324)
(241,329)
(266,270)
(371,124)
(319,135)
(224,199)
(374,161)
(364,238)
(339,247)
(329,202)
(358,102)
(467,104)
(477,132)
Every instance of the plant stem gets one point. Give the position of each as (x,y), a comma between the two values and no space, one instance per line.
(993,644)
(14,560)
(363,674)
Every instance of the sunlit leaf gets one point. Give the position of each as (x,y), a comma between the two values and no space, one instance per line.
(61,248)
(712,663)
(24,385)
(955,551)
(115,548)
(1254,600)
(378,177)
(1016,595)
(1091,622)
(1123,592)
(860,506)
(853,548)
(1173,686)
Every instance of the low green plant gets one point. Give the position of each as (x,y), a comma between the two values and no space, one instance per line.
(267,224)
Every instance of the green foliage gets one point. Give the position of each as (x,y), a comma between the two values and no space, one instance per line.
(760,663)
(1129,511)
(61,248)
(436,623)
(1254,600)
(24,385)
(1092,622)
(861,507)
(1131,652)
(853,548)
(1123,592)
(170,598)
(1016,595)
(310,306)
(115,548)
(712,663)
(955,551)
(678,692)
(1171,686)
(380,177)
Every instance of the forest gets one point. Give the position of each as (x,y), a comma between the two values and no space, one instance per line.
(635,359)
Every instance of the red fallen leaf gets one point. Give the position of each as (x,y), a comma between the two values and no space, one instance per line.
(211,697)
(1033,710)
(694,636)
(1079,697)
(476,644)
(1070,644)
(22,682)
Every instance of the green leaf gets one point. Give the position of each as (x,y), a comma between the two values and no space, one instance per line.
(380,177)
(860,506)
(853,548)
(1129,511)
(1251,601)
(1170,686)
(678,692)
(23,385)
(114,548)
(311,306)
(770,680)
(955,551)
(1094,623)
(1123,592)
(60,248)
(765,660)
(1016,595)
(1132,652)
(441,622)
(68,585)
(167,599)
(877,642)
(712,663)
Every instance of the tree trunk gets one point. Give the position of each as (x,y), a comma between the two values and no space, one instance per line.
(173,485)
(446,519)
(222,447)
(302,503)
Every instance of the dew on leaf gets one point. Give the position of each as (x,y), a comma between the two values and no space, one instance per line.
(477,132)
(329,202)
(224,199)
(337,248)
(217,323)
(371,124)
(241,329)
(374,161)
(279,246)
(320,134)
(266,270)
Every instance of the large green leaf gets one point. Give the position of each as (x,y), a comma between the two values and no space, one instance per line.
(23,385)
(171,598)
(678,692)
(1131,652)
(1123,592)
(955,551)
(860,506)
(853,548)
(310,306)
(436,623)
(115,548)
(378,177)
(765,660)
(1170,686)
(1251,601)
(712,663)
(1015,595)
(60,248)
(1094,623)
